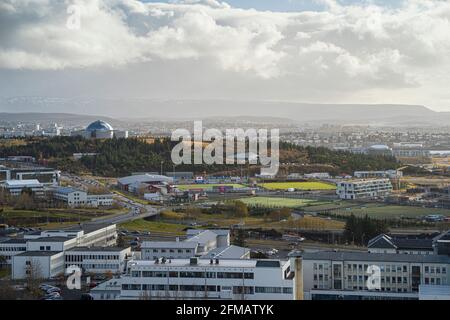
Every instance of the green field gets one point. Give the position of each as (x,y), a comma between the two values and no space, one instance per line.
(279,202)
(381,211)
(153,226)
(298,185)
(185,187)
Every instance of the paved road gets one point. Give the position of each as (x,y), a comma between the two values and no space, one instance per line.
(136,210)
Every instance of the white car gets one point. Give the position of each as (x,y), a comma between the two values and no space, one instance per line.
(54,289)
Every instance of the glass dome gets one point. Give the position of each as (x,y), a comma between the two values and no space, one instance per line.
(99,125)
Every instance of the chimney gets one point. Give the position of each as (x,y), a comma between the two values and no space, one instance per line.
(298,278)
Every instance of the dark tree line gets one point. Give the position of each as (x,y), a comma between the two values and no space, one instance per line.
(361,230)
(119,157)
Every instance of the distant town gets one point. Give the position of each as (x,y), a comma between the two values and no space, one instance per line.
(98,213)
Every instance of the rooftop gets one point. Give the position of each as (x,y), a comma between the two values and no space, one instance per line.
(14,240)
(373,257)
(232,263)
(169,244)
(203,237)
(230,252)
(98,249)
(67,190)
(25,182)
(51,239)
(37,253)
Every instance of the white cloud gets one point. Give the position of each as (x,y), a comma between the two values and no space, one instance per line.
(363,47)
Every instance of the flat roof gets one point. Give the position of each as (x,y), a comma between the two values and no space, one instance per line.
(236,263)
(51,239)
(20,183)
(90,227)
(14,240)
(230,252)
(98,249)
(375,257)
(67,190)
(202,237)
(169,244)
(220,232)
(38,253)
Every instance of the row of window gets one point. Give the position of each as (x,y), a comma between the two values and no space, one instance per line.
(168,250)
(9,249)
(202,288)
(81,257)
(105,266)
(192,274)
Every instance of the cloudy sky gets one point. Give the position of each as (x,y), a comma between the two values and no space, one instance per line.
(327,51)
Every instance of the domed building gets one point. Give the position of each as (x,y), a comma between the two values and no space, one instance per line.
(380,149)
(100,130)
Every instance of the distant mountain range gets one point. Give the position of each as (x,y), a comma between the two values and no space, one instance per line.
(146,110)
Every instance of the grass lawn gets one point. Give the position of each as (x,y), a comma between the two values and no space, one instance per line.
(308,222)
(381,211)
(278,202)
(155,226)
(298,185)
(184,187)
(4,273)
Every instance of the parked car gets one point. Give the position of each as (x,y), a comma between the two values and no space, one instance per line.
(54,289)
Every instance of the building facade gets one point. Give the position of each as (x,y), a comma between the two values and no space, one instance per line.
(361,189)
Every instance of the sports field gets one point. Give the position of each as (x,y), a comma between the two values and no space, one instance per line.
(270,202)
(381,211)
(184,187)
(298,185)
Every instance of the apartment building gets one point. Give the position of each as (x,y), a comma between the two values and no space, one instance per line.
(363,189)
(332,275)
(200,279)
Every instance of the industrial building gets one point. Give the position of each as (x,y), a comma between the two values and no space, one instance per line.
(132,183)
(360,189)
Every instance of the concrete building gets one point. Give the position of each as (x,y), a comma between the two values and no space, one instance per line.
(71,197)
(391,174)
(16,187)
(198,243)
(99,200)
(333,275)
(45,176)
(360,189)
(100,130)
(78,198)
(12,247)
(98,259)
(37,264)
(200,279)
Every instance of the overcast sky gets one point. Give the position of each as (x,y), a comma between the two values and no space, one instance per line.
(325,51)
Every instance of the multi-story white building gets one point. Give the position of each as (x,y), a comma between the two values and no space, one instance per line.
(59,240)
(37,265)
(70,196)
(46,176)
(98,259)
(200,279)
(99,200)
(360,189)
(12,247)
(387,244)
(345,275)
(151,250)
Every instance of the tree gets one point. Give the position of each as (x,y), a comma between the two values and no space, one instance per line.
(239,238)
(240,209)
